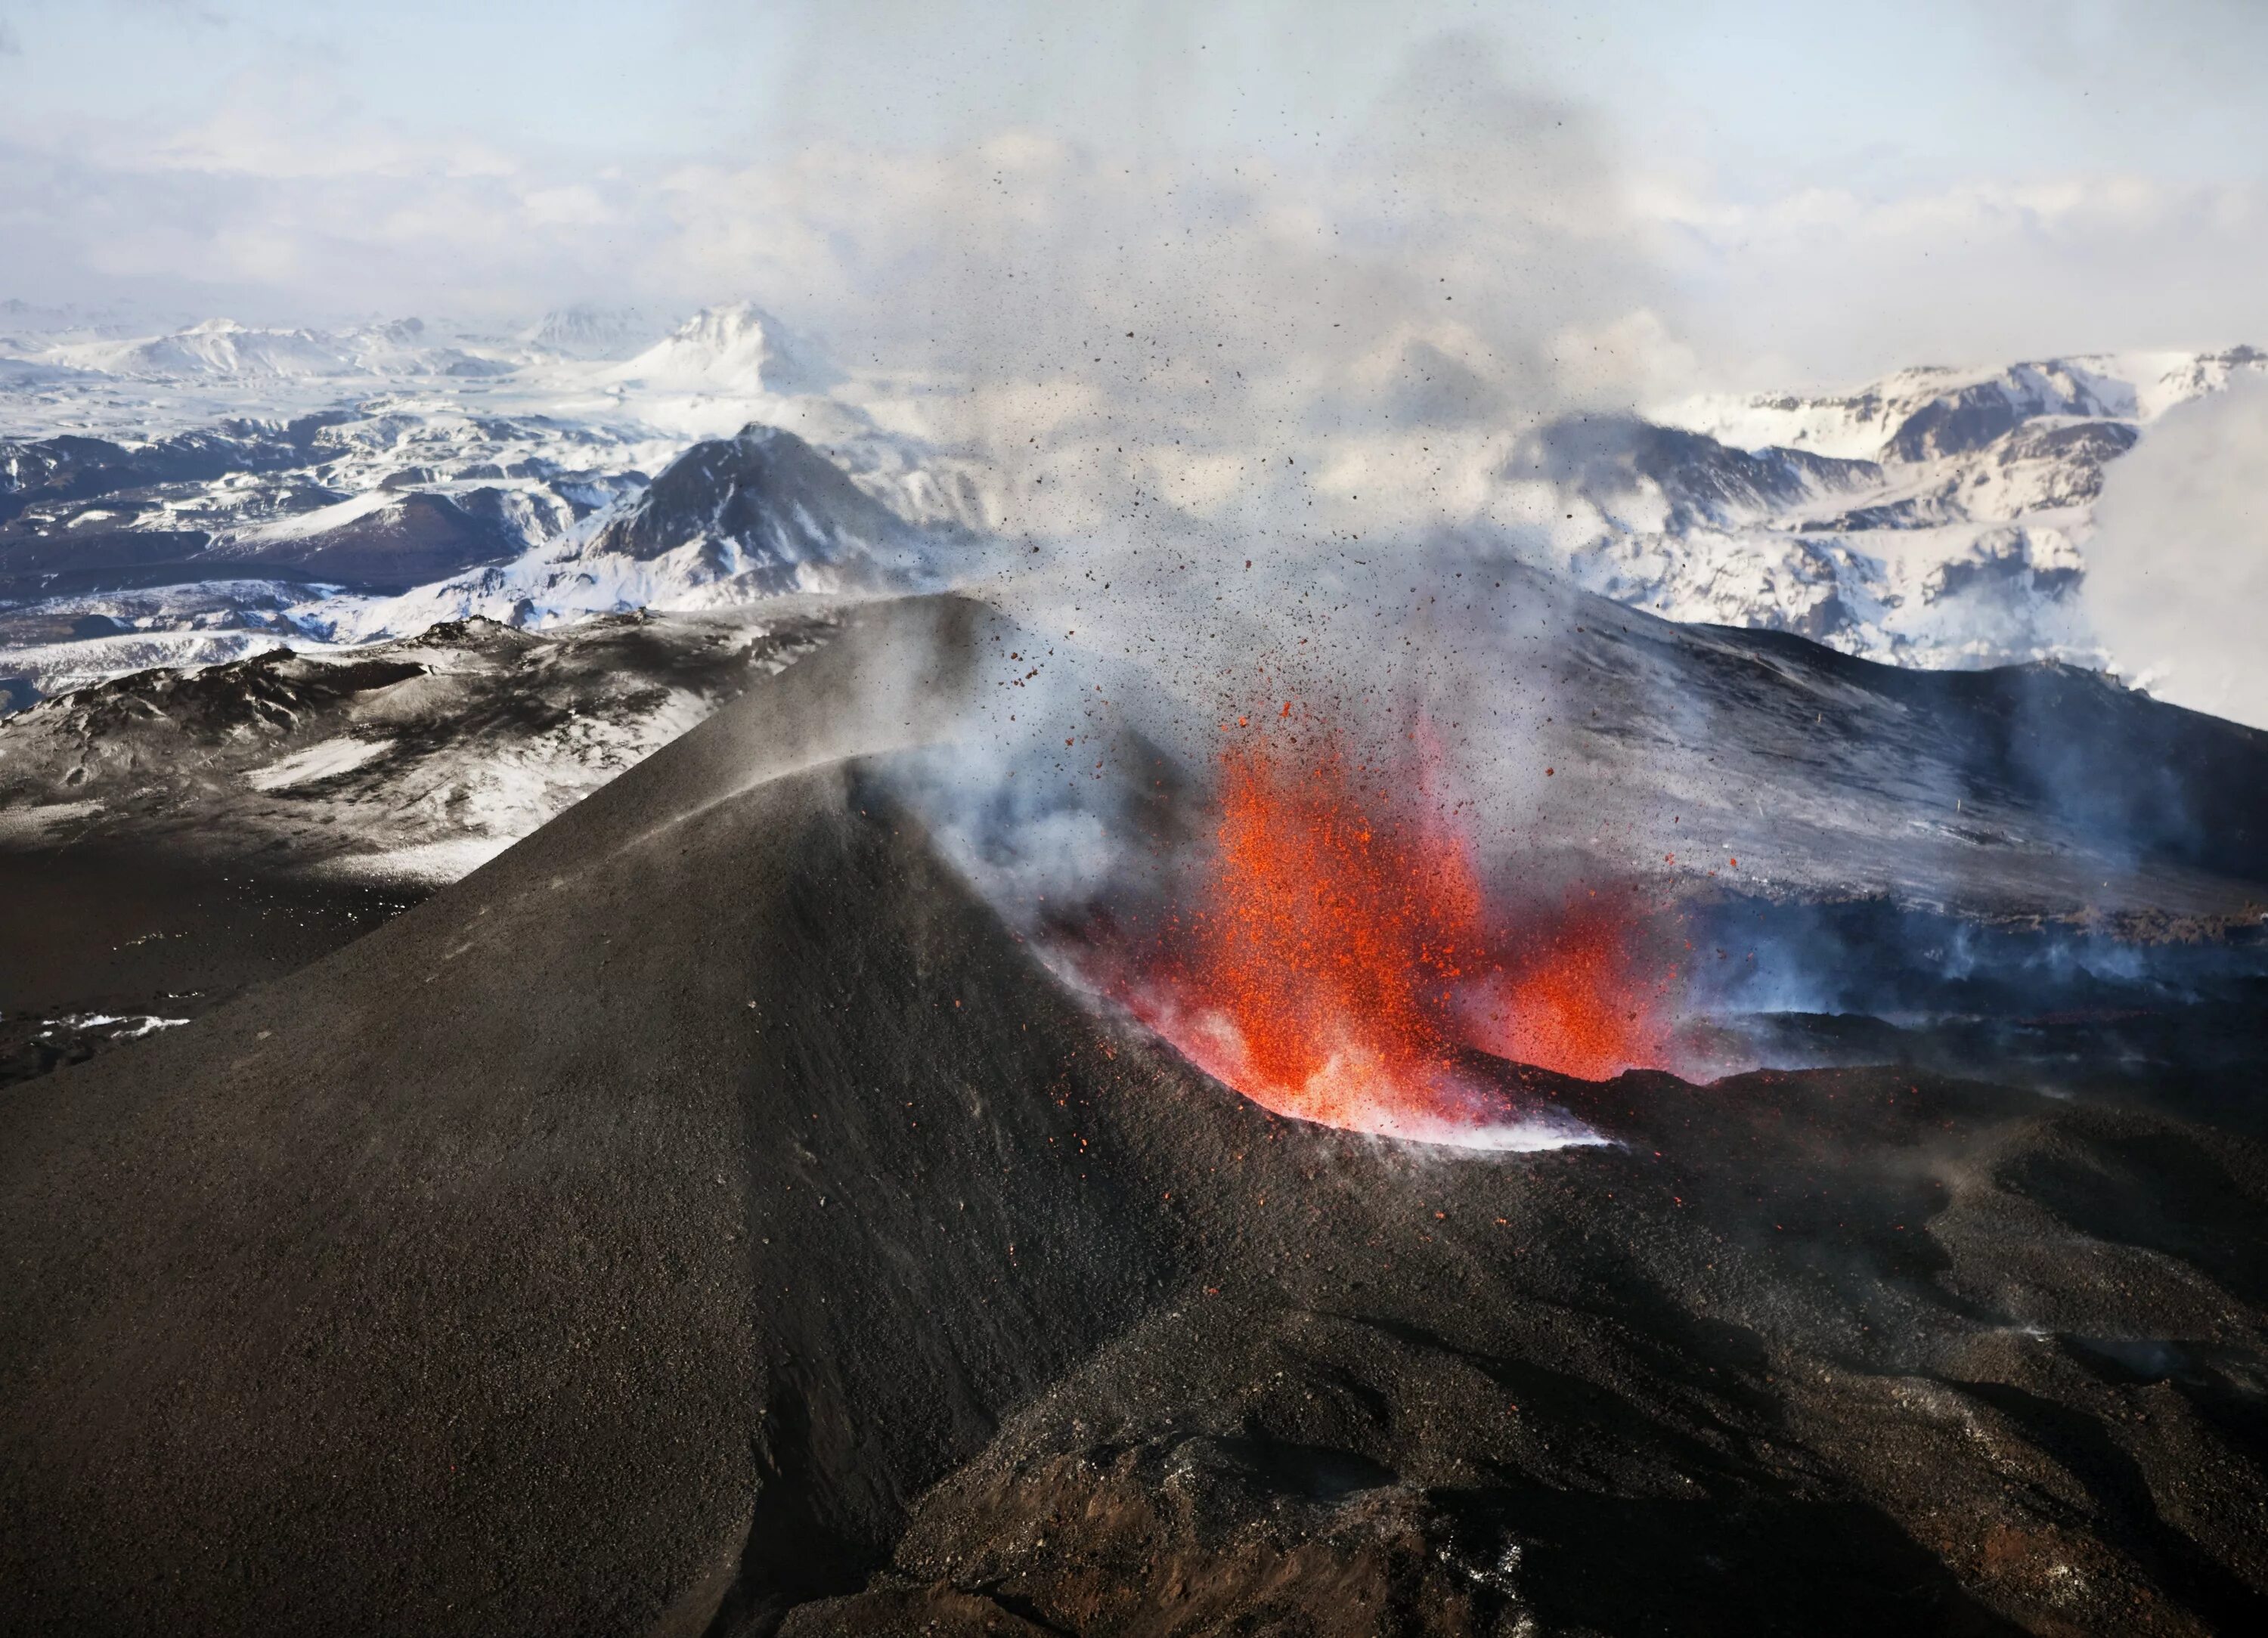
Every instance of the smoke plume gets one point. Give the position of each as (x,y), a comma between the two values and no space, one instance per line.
(2177,571)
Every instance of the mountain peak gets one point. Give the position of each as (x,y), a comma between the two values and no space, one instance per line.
(763,502)
(735,348)
(592,330)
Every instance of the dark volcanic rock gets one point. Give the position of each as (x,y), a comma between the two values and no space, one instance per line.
(418,539)
(766,504)
(1807,1354)
(484,1325)
(74,468)
(2084,447)
(710,1217)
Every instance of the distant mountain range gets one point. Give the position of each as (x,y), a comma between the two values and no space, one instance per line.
(1937,517)
(221,347)
(736,347)
(193,496)
(338,529)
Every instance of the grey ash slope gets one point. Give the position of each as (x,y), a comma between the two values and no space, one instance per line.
(708,1216)
(2028,791)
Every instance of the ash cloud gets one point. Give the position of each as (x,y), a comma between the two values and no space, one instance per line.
(1324,343)
(1245,416)
(1080,783)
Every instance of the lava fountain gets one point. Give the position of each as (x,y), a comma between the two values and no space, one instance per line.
(1339,961)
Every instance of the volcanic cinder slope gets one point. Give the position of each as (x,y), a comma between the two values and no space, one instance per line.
(169,837)
(709,1217)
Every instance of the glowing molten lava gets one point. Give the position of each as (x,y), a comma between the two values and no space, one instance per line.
(1344,963)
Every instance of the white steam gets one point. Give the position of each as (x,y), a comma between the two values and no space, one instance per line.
(2177,571)
(1325,343)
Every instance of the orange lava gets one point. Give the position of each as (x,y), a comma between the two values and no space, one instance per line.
(1574,1001)
(1344,960)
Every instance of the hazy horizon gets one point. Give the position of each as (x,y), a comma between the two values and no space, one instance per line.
(1729,195)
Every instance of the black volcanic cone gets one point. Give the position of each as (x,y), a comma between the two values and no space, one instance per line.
(709,1218)
(709,1162)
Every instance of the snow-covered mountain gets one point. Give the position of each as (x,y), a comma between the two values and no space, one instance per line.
(221,349)
(1936,518)
(763,502)
(592,330)
(192,494)
(736,350)
(731,521)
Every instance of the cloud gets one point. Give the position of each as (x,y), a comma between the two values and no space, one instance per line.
(2154,51)
(11,44)
(291,203)
(2177,569)
(1458,265)
(1831,285)
(1439,261)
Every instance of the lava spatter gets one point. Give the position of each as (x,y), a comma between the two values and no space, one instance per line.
(1339,960)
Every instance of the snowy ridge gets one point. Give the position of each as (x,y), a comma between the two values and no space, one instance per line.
(411,760)
(1935,517)
(1903,415)
(737,350)
(348,485)
(222,347)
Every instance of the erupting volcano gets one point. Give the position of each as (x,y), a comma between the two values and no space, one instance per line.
(1342,962)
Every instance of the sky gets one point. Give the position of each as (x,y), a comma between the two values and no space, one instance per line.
(1701,195)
